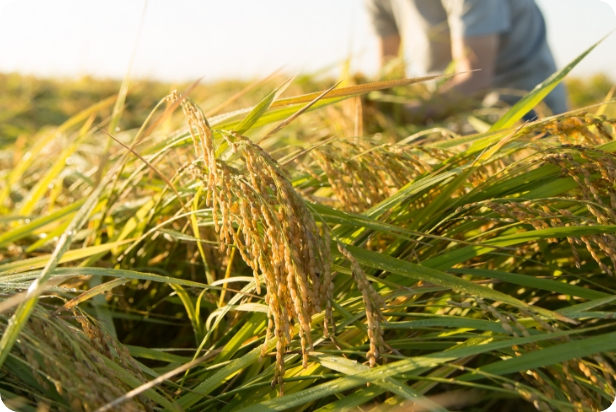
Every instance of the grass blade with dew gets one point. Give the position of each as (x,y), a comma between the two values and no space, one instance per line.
(27,229)
(90,293)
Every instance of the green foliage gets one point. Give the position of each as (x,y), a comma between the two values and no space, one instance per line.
(493,253)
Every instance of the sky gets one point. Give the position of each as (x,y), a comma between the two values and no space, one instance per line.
(183,40)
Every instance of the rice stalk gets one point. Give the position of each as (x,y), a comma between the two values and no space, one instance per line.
(256,208)
(72,364)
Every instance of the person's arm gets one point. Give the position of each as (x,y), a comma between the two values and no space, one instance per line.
(389,47)
(476,27)
(384,24)
(475,59)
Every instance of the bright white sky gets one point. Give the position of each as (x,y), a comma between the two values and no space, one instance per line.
(187,39)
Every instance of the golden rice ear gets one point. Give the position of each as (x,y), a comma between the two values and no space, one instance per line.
(373,303)
(80,363)
(255,207)
(580,163)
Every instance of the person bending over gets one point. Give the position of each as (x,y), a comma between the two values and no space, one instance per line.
(503,40)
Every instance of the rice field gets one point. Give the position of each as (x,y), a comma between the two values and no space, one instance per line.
(295,244)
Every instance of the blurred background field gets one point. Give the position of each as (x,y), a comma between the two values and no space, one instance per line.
(28,103)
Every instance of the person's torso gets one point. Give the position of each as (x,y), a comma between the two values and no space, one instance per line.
(425,35)
(524,59)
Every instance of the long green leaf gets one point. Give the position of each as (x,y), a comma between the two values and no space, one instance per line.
(535,283)
(190,311)
(548,356)
(23,312)
(427,274)
(42,185)
(447,322)
(219,378)
(95,291)
(538,93)
(449,259)
(116,273)
(42,261)
(133,382)
(260,109)
(351,368)
(283,108)
(393,369)
(27,229)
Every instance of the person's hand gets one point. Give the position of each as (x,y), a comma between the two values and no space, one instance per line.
(438,107)
(420,112)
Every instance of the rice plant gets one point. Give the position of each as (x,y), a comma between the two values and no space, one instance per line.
(277,258)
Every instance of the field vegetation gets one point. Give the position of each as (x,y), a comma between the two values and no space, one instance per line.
(295,244)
